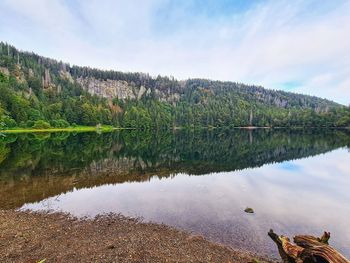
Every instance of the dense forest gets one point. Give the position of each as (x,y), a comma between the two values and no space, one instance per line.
(37,165)
(39,92)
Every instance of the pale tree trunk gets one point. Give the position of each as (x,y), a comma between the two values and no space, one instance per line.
(307,249)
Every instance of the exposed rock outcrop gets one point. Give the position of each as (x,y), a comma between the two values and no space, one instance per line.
(46,79)
(141,92)
(66,75)
(123,90)
(107,88)
(4,71)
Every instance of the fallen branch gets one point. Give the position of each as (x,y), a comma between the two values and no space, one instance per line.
(307,249)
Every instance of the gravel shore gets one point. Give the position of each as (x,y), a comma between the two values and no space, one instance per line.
(32,237)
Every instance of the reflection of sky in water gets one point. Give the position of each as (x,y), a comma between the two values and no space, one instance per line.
(289,166)
(296,197)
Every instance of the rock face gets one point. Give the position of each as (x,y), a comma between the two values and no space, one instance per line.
(46,79)
(4,71)
(66,75)
(141,92)
(167,96)
(107,88)
(123,90)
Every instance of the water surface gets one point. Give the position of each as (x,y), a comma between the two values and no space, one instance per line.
(296,181)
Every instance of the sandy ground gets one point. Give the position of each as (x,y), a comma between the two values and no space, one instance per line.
(33,237)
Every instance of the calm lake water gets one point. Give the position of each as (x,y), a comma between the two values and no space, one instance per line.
(298,182)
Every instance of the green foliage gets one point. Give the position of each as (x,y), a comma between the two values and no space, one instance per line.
(59,123)
(3,78)
(26,98)
(8,122)
(40,124)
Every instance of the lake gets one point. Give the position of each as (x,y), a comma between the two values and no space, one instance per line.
(297,181)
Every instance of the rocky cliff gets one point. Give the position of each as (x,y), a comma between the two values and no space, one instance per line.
(108,88)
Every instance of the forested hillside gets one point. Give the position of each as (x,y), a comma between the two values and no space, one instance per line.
(40,92)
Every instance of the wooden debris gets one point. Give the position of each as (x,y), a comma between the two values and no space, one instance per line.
(307,249)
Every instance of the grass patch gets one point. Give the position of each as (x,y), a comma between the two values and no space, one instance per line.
(104,128)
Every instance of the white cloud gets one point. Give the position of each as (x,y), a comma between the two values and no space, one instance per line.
(271,43)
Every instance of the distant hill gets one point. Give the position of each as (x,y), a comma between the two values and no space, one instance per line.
(38,91)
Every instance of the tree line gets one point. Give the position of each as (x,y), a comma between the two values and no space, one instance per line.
(35,94)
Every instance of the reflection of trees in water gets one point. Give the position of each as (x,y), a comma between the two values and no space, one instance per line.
(36,166)
(193,152)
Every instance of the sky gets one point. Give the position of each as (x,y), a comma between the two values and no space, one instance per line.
(294,45)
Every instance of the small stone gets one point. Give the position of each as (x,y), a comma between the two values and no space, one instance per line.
(249,210)
(111,246)
(254,260)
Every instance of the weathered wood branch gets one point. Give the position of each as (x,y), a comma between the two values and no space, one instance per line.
(307,249)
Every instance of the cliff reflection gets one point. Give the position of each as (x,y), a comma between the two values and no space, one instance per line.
(36,166)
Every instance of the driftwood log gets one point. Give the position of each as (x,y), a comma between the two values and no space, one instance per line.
(307,249)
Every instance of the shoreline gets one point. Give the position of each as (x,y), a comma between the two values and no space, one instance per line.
(33,236)
(111,128)
(69,129)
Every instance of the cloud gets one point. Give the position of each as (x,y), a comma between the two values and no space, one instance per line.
(263,42)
